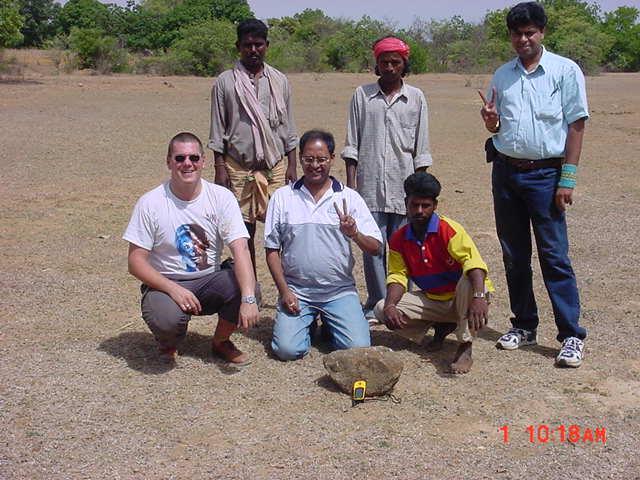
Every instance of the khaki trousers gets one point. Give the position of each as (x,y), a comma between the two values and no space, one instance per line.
(424,312)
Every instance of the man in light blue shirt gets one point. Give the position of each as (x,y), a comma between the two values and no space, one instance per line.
(308,235)
(536,110)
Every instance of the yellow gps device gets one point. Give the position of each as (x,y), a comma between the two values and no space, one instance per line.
(359,391)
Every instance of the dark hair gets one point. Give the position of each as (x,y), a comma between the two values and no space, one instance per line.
(422,184)
(526,13)
(184,137)
(252,26)
(311,135)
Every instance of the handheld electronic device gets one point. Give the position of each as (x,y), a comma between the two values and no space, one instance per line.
(359,391)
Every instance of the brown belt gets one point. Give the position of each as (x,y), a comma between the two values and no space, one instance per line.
(524,164)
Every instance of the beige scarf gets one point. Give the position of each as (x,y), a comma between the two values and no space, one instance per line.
(265,142)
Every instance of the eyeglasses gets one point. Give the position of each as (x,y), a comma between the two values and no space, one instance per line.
(319,160)
(192,158)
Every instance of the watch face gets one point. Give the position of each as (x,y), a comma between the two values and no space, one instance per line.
(248,299)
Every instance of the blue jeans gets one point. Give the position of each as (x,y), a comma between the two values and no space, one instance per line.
(343,317)
(523,199)
(375,267)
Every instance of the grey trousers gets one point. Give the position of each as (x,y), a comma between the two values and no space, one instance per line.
(217,292)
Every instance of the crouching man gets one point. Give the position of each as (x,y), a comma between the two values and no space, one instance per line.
(176,235)
(443,262)
(309,229)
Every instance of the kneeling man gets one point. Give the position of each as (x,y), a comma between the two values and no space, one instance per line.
(309,228)
(176,235)
(441,259)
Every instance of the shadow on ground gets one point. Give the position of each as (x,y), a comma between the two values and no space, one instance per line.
(140,351)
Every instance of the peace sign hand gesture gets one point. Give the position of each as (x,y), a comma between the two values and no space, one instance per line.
(347,223)
(489,111)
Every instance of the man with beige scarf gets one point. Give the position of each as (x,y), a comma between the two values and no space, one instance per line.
(252,127)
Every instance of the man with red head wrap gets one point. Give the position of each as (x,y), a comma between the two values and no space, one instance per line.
(387,140)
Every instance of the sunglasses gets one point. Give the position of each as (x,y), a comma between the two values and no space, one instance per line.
(192,158)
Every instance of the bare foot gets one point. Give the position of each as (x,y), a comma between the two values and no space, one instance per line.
(441,332)
(462,361)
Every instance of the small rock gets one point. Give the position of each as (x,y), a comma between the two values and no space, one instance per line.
(80,84)
(104,237)
(379,366)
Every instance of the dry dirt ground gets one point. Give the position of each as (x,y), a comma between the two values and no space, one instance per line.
(83,396)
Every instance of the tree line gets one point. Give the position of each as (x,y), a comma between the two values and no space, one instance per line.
(197,37)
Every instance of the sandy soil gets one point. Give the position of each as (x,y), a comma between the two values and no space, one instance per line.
(83,396)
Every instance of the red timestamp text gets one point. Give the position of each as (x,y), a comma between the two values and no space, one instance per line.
(544,433)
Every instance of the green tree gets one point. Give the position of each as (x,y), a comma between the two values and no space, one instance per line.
(144,29)
(40,18)
(204,48)
(496,48)
(574,31)
(349,49)
(622,26)
(298,42)
(10,24)
(96,50)
(83,14)
(191,12)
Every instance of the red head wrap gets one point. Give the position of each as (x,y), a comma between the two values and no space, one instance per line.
(391,44)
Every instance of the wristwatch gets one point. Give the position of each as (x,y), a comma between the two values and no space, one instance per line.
(248,299)
(479,295)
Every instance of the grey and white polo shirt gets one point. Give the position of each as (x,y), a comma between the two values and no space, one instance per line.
(317,258)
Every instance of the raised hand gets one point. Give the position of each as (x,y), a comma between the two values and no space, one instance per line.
(347,222)
(489,111)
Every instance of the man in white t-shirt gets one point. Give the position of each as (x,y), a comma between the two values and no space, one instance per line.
(176,235)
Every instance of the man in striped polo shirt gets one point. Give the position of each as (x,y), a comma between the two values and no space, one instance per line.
(309,230)
(440,258)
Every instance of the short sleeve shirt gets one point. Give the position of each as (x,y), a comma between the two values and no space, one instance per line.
(185,238)
(316,256)
(537,108)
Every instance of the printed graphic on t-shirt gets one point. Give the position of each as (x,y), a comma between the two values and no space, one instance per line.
(192,244)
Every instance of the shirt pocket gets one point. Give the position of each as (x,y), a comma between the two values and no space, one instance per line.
(407,135)
(549,105)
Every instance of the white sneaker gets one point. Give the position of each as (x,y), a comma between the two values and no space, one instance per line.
(571,353)
(516,338)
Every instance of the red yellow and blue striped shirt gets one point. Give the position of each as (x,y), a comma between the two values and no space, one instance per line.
(435,263)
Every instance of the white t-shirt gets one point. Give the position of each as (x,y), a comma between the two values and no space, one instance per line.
(185,238)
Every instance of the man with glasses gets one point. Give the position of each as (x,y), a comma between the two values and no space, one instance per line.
(310,227)
(536,109)
(387,140)
(176,235)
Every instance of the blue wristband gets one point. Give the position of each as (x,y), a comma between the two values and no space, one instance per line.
(568,176)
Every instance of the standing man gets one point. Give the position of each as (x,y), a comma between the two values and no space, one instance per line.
(252,128)
(309,230)
(387,140)
(439,256)
(176,235)
(536,111)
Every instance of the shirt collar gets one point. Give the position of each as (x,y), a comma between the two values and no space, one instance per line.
(336,186)
(432,227)
(543,63)
(378,91)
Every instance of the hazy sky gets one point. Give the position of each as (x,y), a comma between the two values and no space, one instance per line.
(401,11)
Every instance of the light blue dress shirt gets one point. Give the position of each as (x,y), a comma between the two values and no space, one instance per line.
(536,108)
